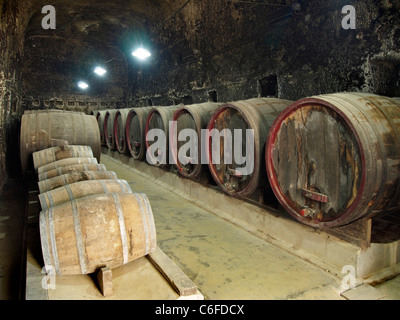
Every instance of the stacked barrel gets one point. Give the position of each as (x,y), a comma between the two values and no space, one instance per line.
(90,219)
(329,160)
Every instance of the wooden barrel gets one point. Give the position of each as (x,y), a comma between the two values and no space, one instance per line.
(68,178)
(42,130)
(108,129)
(82,189)
(333,159)
(134,132)
(196,118)
(254,114)
(159,118)
(108,230)
(49,155)
(100,114)
(119,130)
(65,162)
(67,169)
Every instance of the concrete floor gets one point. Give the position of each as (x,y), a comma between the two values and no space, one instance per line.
(223,260)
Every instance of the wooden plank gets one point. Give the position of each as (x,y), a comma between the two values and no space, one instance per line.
(172,273)
(358,232)
(363,292)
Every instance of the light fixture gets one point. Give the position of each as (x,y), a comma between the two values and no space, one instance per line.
(100,71)
(141,54)
(83,85)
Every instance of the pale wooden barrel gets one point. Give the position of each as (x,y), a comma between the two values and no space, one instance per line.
(107,230)
(56,182)
(76,167)
(49,155)
(82,189)
(41,130)
(64,163)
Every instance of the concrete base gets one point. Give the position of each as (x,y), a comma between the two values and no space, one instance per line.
(372,264)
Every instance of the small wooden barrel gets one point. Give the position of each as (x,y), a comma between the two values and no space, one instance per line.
(333,159)
(65,162)
(159,118)
(108,129)
(59,181)
(42,130)
(134,131)
(46,156)
(254,114)
(86,234)
(82,189)
(76,167)
(195,117)
(119,130)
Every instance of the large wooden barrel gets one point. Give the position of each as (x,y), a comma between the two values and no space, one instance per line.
(49,155)
(253,114)
(42,130)
(108,230)
(135,132)
(59,181)
(108,129)
(65,162)
(159,118)
(73,168)
(82,189)
(119,130)
(100,114)
(196,118)
(333,159)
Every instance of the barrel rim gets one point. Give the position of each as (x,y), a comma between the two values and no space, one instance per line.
(120,148)
(129,118)
(251,186)
(344,217)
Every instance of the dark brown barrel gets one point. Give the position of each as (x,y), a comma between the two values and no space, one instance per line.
(333,159)
(100,114)
(135,131)
(159,118)
(86,234)
(64,163)
(82,189)
(254,114)
(119,130)
(73,168)
(43,130)
(49,155)
(108,129)
(196,118)
(68,178)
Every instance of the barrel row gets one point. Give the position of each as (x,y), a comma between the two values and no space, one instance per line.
(90,219)
(329,159)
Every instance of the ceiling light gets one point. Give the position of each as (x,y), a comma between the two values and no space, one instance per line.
(141,53)
(100,71)
(83,85)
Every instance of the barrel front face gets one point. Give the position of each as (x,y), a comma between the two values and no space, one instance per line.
(119,130)
(89,233)
(82,189)
(331,159)
(100,115)
(235,162)
(108,128)
(135,131)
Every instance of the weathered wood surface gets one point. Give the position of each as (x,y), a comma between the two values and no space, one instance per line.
(84,235)
(135,132)
(68,178)
(65,162)
(82,189)
(120,129)
(76,167)
(108,129)
(344,147)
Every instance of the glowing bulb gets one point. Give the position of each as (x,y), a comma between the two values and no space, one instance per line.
(83,85)
(141,53)
(100,71)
